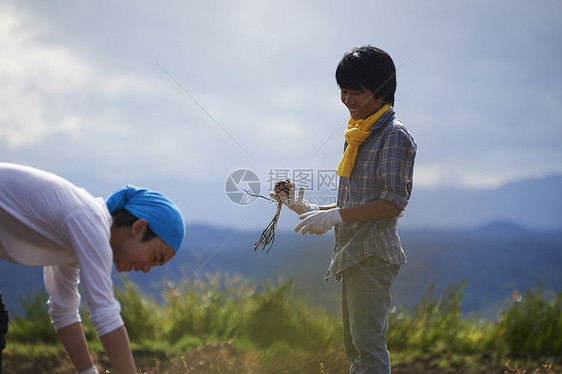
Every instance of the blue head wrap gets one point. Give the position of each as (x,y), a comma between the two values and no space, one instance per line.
(163,217)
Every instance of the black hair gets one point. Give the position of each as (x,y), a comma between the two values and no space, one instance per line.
(122,217)
(368,67)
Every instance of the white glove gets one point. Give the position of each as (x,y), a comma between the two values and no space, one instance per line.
(92,370)
(318,221)
(298,205)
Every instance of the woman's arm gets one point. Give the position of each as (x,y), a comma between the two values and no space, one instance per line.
(74,341)
(90,241)
(116,346)
(118,350)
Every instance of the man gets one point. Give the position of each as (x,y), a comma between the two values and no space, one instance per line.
(47,221)
(374,187)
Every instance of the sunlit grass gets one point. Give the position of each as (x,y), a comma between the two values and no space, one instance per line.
(223,324)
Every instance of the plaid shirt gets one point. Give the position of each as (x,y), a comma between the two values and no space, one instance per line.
(383,170)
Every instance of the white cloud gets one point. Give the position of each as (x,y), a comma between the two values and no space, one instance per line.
(474,86)
(47,88)
(30,73)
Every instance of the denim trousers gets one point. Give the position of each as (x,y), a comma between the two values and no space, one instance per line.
(366,303)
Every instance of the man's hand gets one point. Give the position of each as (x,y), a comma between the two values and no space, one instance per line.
(318,221)
(298,205)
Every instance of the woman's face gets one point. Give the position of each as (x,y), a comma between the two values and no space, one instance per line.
(135,254)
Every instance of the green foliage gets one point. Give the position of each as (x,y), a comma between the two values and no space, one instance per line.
(141,314)
(211,308)
(283,326)
(533,326)
(35,324)
(436,325)
(276,316)
(227,308)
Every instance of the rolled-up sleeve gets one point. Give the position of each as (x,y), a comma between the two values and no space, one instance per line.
(61,283)
(95,260)
(396,168)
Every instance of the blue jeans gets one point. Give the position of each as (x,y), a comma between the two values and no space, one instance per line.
(365,306)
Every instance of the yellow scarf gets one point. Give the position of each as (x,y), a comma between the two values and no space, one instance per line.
(355,134)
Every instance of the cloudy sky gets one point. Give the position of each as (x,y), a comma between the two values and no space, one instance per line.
(177,95)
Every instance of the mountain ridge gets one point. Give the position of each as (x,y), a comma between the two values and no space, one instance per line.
(533,203)
(494,260)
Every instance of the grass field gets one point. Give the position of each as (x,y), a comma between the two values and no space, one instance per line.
(223,324)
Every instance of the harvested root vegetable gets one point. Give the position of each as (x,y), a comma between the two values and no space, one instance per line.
(268,235)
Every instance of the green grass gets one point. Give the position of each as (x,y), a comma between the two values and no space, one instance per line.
(277,330)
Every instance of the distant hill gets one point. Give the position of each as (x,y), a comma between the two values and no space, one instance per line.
(535,204)
(494,259)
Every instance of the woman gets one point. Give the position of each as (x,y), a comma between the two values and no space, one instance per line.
(47,221)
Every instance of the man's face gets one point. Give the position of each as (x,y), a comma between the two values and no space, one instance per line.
(137,255)
(360,103)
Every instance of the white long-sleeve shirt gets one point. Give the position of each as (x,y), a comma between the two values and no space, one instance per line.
(47,221)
